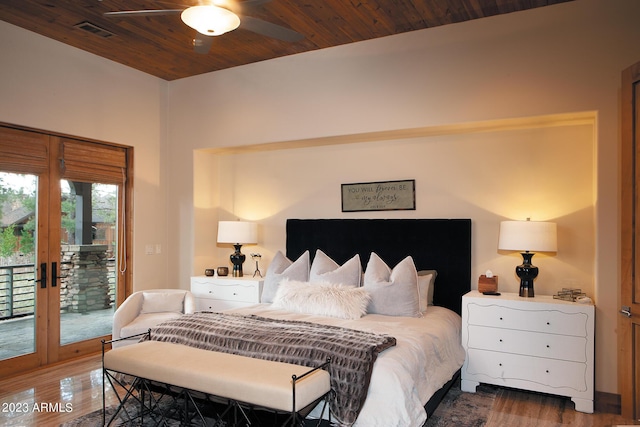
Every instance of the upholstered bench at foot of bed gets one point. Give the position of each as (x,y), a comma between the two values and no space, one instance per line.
(257,382)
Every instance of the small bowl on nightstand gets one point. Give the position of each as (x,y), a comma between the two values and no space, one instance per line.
(209,272)
(223,271)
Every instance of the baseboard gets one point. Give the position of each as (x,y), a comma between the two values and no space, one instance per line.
(607,402)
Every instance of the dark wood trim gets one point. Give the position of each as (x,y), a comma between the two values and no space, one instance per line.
(128,274)
(607,402)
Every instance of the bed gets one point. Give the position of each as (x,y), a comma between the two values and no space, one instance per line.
(443,245)
(410,375)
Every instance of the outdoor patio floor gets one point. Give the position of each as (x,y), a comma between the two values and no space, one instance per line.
(17,335)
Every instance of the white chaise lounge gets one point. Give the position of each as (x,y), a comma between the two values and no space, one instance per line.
(145,309)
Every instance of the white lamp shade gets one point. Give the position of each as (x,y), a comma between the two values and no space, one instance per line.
(237,232)
(534,236)
(210,20)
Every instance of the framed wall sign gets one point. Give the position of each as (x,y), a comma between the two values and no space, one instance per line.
(379,196)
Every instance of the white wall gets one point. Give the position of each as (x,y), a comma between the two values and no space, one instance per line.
(49,86)
(543,62)
(486,176)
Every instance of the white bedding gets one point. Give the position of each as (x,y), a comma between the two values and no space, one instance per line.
(428,352)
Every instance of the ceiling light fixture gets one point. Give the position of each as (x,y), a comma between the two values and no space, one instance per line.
(210,20)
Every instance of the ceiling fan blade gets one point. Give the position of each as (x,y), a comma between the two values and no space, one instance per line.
(150,12)
(202,44)
(268,29)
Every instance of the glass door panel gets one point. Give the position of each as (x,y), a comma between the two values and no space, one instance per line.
(18,272)
(88,252)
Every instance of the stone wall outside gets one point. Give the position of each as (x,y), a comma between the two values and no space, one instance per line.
(88,278)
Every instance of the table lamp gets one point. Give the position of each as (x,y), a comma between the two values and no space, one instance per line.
(237,233)
(528,236)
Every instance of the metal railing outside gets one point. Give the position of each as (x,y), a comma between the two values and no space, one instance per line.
(17,290)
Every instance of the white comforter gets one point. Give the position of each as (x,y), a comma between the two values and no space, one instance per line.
(428,352)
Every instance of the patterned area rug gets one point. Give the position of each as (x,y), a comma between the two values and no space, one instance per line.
(94,419)
(457,409)
(209,410)
(460,409)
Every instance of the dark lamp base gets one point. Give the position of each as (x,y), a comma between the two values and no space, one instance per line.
(526,289)
(527,273)
(237,259)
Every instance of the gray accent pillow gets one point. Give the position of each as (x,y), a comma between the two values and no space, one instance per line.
(393,292)
(324,269)
(282,268)
(426,279)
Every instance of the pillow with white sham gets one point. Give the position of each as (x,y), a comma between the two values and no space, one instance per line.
(322,299)
(282,268)
(324,269)
(426,279)
(393,292)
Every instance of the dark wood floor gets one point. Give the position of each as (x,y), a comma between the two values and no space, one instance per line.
(61,393)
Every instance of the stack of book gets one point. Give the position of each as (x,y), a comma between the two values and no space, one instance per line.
(569,294)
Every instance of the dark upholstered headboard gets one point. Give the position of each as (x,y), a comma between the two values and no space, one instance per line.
(435,244)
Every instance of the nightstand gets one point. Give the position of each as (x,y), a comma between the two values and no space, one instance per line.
(220,293)
(539,344)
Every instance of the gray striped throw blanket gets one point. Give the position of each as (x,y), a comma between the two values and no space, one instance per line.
(352,352)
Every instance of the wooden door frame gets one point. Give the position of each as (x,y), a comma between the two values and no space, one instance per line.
(56,351)
(48,349)
(630,244)
(32,164)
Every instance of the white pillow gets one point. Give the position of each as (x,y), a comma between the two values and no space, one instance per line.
(282,268)
(322,299)
(393,292)
(162,302)
(324,269)
(426,279)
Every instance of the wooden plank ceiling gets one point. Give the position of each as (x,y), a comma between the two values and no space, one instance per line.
(162,45)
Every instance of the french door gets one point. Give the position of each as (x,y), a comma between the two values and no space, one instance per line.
(629,316)
(64,240)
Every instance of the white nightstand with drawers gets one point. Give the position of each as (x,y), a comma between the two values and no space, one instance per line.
(214,293)
(539,344)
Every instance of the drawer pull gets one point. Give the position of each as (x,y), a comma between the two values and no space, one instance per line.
(548,323)
(501,318)
(548,346)
(500,339)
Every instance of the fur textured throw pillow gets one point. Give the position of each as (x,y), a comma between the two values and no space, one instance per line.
(322,299)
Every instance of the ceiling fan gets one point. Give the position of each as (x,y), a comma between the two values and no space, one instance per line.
(215,18)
